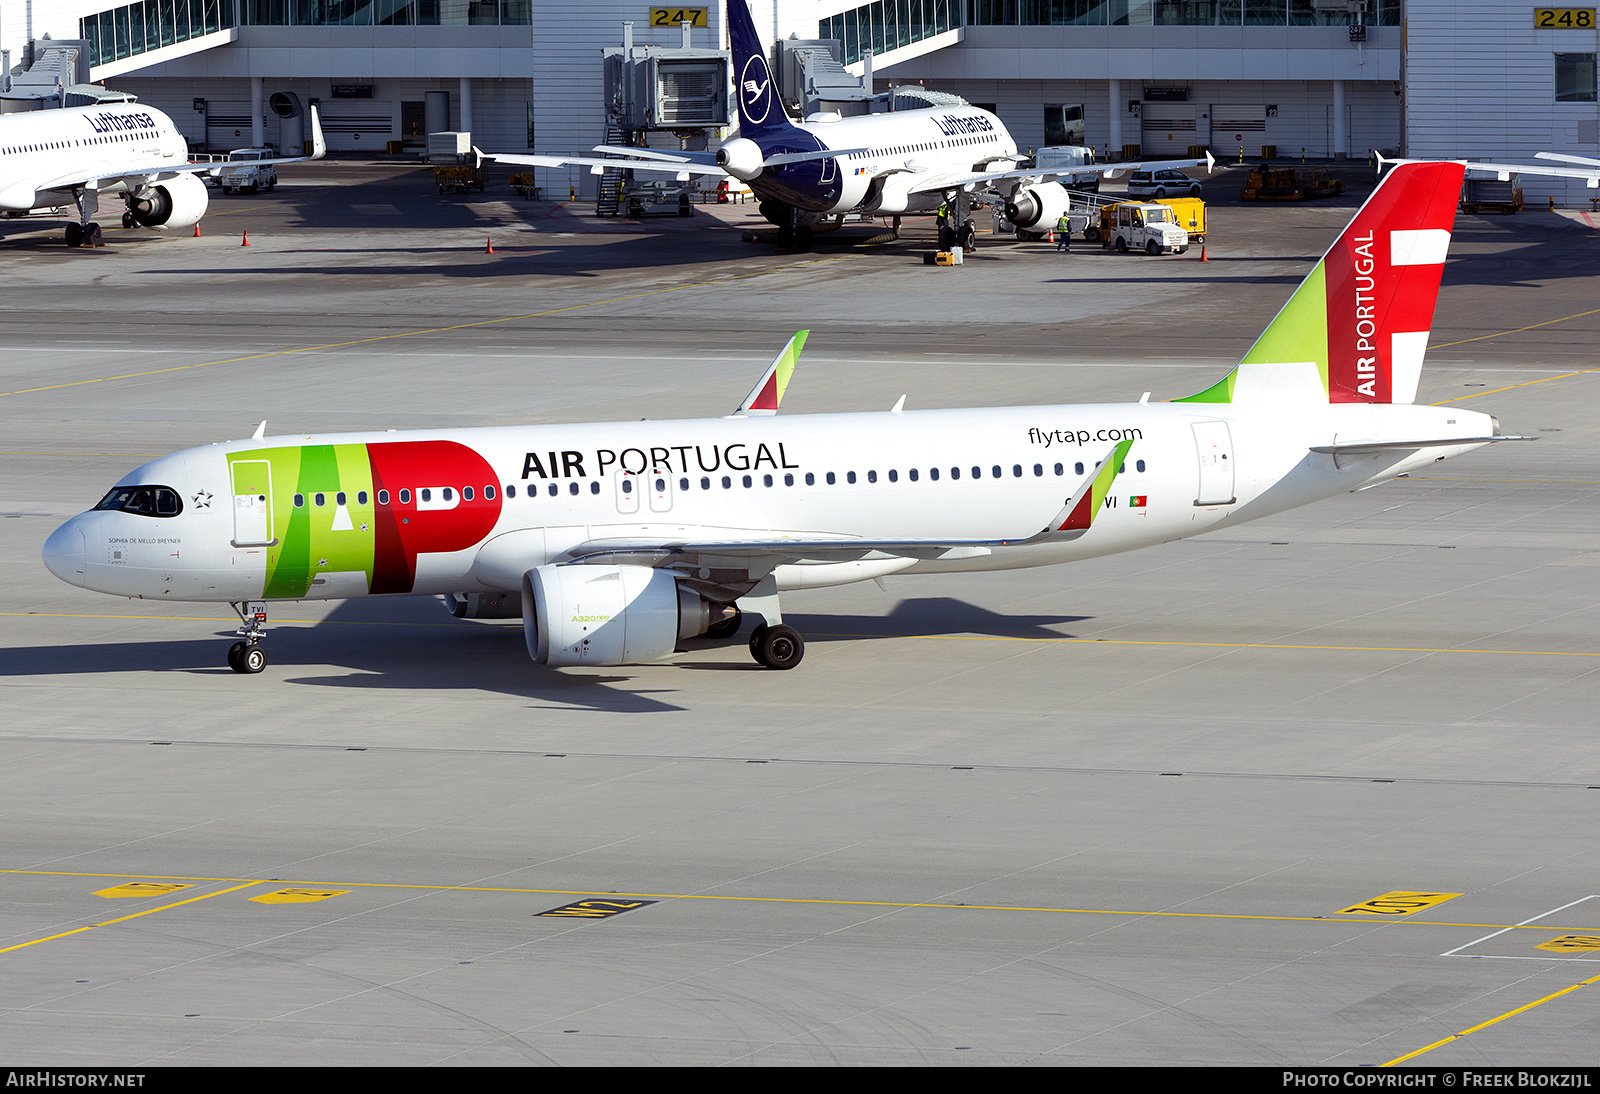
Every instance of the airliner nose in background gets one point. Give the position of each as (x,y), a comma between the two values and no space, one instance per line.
(50,158)
(614,541)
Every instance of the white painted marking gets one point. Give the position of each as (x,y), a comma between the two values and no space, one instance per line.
(1426,247)
(1524,923)
(1406,351)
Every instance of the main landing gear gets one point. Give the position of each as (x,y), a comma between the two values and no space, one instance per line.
(249,656)
(777,647)
(772,643)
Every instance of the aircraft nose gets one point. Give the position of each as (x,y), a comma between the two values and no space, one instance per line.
(63,552)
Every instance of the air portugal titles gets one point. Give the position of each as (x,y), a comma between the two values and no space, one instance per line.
(676,459)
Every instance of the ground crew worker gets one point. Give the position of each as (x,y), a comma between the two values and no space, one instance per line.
(1064,234)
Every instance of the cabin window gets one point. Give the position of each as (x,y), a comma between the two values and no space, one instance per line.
(339,499)
(466,493)
(594,487)
(913,474)
(383,497)
(850,477)
(426,494)
(405,497)
(788,480)
(299,501)
(320,500)
(727,482)
(1077,468)
(746,482)
(933,473)
(872,476)
(1038,470)
(683,484)
(554,489)
(766,480)
(361,497)
(705,483)
(1139,464)
(572,488)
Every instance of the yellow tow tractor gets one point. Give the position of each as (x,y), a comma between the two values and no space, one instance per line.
(1191,215)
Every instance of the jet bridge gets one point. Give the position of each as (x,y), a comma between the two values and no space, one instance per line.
(660,97)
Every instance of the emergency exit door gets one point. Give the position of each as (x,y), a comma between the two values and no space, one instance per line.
(1214,445)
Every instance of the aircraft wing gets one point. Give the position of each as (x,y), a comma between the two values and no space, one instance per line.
(597,164)
(138,175)
(759,553)
(957,181)
(702,158)
(1589,174)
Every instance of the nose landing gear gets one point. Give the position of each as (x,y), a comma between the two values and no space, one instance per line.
(249,656)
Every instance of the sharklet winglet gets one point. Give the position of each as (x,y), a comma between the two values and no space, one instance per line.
(767,395)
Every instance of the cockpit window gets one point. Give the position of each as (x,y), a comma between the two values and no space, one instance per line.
(146,501)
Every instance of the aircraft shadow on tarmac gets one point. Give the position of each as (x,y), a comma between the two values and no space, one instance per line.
(409,644)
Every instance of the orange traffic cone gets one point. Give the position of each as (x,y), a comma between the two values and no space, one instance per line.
(197,229)
(488,245)
(1049,237)
(1203,257)
(246,242)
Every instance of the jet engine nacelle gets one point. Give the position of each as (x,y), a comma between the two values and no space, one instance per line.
(1038,208)
(178,202)
(574,614)
(741,158)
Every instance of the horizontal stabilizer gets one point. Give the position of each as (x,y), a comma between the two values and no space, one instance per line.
(1364,448)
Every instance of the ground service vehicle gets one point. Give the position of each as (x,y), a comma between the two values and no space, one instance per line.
(244,172)
(1191,214)
(1142,226)
(1290,184)
(1160,184)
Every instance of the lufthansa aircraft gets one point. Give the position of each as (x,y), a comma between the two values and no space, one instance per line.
(908,161)
(51,158)
(616,541)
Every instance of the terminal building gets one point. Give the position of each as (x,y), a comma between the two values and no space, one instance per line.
(1316,78)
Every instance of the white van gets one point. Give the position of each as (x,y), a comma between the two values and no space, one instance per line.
(243,173)
(1057,156)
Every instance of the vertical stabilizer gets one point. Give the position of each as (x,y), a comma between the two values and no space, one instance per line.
(1362,317)
(760,111)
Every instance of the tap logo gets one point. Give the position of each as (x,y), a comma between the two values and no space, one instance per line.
(755,90)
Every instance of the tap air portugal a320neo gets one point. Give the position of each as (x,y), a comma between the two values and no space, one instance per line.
(616,541)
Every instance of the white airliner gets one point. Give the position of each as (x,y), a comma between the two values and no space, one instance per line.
(908,161)
(615,541)
(53,158)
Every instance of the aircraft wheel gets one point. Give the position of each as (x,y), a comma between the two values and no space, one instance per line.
(968,235)
(252,659)
(727,627)
(128,221)
(1152,248)
(233,656)
(781,647)
(756,636)
(74,235)
(91,235)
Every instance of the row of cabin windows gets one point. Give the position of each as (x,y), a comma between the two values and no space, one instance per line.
(47,145)
(905,149)
(447,494)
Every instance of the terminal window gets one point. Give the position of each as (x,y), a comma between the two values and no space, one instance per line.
(1575,78)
